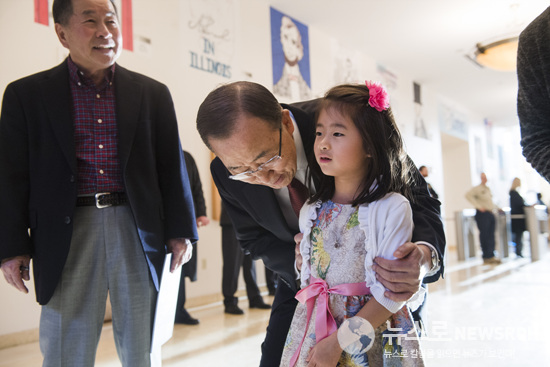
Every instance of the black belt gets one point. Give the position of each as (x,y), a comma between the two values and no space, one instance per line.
(102,199)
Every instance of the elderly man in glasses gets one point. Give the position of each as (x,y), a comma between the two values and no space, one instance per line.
(262,147)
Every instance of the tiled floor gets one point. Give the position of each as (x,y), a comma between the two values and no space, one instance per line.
(478,316)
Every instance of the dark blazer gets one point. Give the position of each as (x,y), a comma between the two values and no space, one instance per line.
(190,268)
(38,170)
(224,217)
(263,231)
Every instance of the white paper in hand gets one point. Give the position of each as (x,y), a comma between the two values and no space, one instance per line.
(167,299)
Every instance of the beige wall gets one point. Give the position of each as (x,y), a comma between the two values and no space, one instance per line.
(28,47)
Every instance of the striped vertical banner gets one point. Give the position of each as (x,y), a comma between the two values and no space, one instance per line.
(41,12)
(127,26)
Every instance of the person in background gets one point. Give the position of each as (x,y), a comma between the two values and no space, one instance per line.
(424,172)
(233,260)
(189,269)
(482,199)
(517,205)
(260,170)
(94,191)
(533,102)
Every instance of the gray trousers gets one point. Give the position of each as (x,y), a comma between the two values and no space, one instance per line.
(106,256)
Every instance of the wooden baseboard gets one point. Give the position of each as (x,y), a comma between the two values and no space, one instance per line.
(203,300)
(22,337)
(211,299)
(31,336)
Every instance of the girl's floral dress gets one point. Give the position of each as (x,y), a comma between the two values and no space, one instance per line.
(338,256)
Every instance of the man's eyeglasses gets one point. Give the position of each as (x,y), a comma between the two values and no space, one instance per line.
(247,175)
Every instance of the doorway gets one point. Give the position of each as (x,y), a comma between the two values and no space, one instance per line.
(456,180)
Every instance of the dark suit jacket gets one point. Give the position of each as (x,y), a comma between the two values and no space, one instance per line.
(225,220)
(263,231)
(190,268)
(38,170)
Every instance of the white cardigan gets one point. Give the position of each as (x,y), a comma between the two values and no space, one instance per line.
(387,224)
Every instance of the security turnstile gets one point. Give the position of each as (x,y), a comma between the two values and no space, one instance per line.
(465,234)
(536,220)
(503,232)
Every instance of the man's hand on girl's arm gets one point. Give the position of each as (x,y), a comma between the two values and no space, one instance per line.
(403,276)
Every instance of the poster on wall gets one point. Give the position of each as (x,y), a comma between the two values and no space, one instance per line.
(41,12)
(290,58)
(210,28)
(127,24)
(345,66)
(452,122)
(390,81)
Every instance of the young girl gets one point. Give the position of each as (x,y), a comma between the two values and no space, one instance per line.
(360,211)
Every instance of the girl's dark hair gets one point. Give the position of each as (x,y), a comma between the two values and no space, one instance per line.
(388,163)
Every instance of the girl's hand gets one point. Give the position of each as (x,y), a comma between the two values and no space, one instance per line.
(298,239)
(326,353)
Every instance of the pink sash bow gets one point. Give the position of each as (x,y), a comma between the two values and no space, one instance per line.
(324,321)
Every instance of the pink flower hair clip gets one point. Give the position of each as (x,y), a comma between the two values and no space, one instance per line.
(378,97)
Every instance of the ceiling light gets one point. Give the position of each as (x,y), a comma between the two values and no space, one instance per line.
(500,55)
